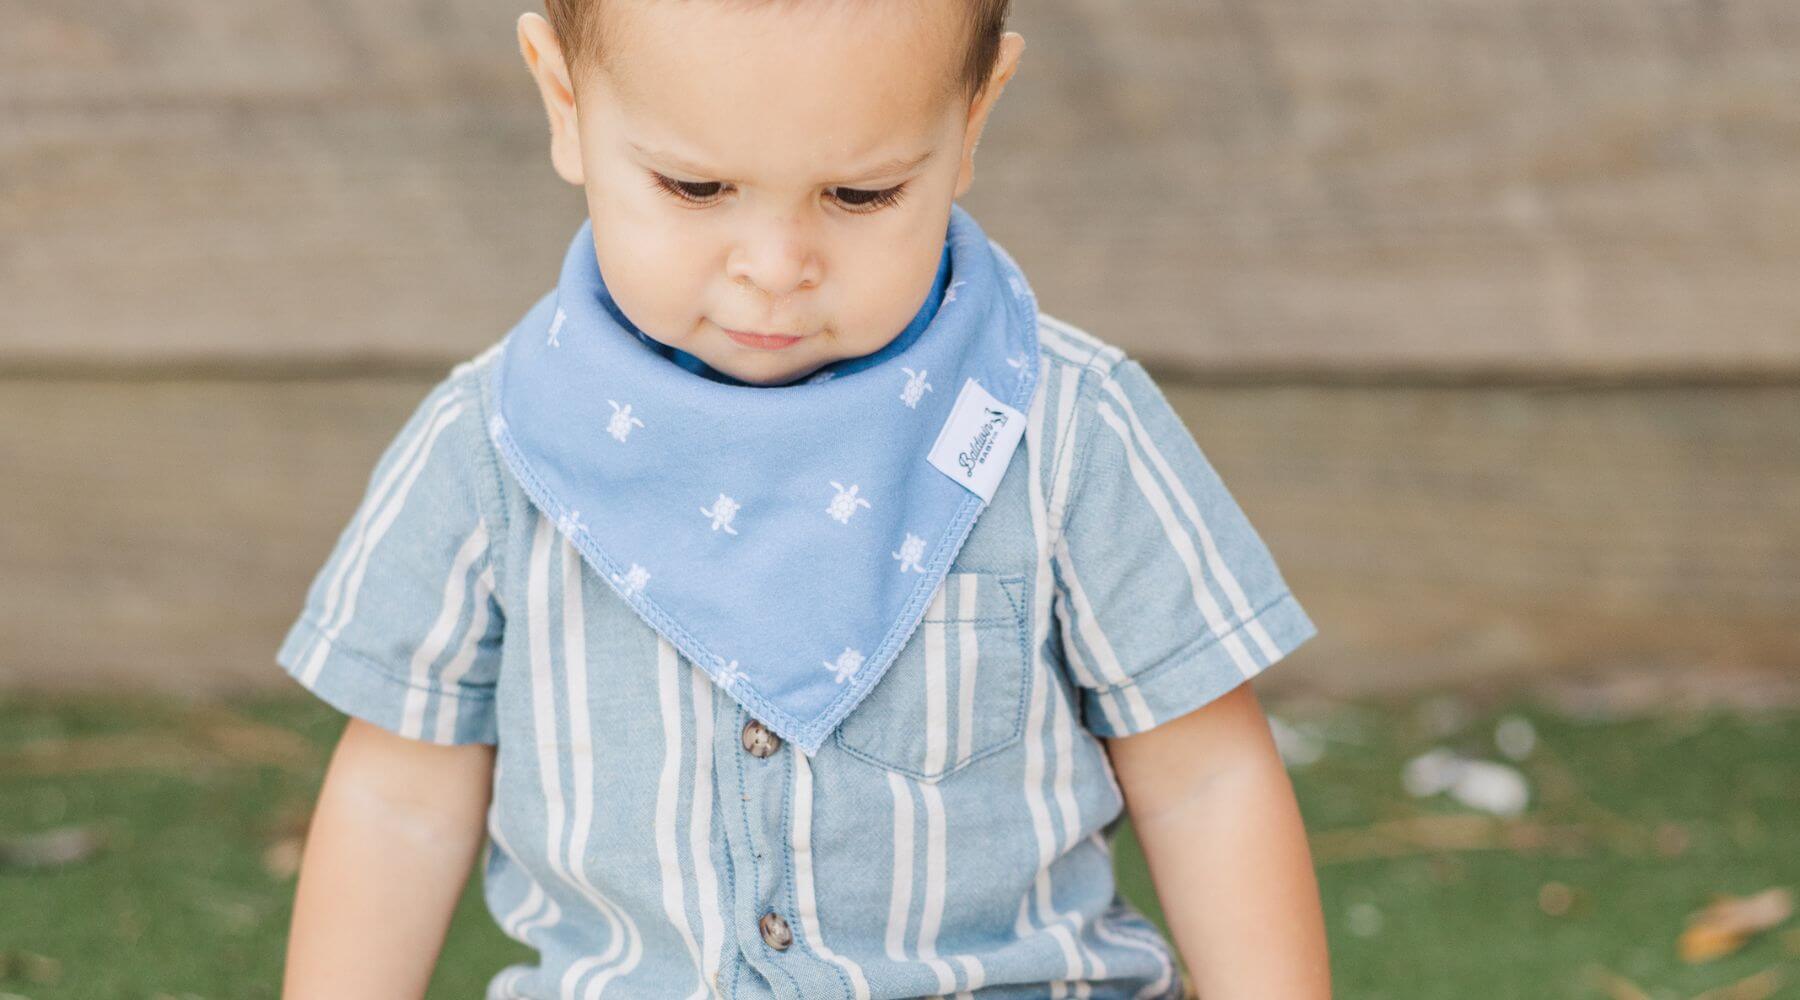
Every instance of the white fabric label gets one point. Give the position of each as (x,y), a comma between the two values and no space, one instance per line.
(976,443)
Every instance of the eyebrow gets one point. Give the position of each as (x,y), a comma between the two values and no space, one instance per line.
(896,165)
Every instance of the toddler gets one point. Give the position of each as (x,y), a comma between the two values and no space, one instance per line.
(790,607)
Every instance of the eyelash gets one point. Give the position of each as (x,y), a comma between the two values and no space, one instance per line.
(683,190)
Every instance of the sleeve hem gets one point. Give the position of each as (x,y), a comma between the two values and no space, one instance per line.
(1201,672)
(373,693)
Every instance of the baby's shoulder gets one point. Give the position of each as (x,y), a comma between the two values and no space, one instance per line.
(1084,376)
(1102,415)
(443,457)
(1084,380)
(1063,346)
(449,421)
(470,375)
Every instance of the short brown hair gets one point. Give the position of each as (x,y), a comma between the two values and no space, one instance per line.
(579,32)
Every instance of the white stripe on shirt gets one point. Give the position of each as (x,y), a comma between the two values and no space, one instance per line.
(412,712)
(800,842)
(363,546)
(378,495)
(1034,750)
(900,885)
(968,657)
(1214,561)
(543,694)
(517,922)
(706,879)
(668,700)
(1183,546)
(1094,637)
(937,736)
(464,659)
(621,927)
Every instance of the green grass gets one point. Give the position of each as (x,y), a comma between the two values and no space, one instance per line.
(1662,813)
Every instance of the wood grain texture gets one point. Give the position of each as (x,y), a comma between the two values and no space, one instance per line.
(162,533)
(1519,186)
(1445,535)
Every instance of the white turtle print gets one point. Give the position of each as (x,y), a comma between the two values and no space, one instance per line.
(729,675)
(844,504)
(915,389)
(848,662)
(950,293)
(496,427)
(570,524)
(723,510)
(632,583)
(556,325)
(622,421)
(1017,361)
(911,551)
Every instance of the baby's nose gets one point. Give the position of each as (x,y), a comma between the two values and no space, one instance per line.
(776,265)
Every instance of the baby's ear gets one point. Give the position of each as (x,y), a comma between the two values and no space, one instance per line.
(544,58)
(1012,44)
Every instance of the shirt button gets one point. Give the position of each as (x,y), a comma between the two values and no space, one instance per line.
(775,931)
(758,740)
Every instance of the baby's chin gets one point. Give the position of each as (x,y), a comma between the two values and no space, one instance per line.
(771,368)
(768,374)
(764,367)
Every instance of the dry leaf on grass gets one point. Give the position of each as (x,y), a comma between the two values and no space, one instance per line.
(30,967)
(1615,986)
(1758,987)
(282,858)
(211,736)
(1727,922)
(1446,832)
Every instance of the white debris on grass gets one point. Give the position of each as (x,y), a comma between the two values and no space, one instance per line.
(1299,747)
(1430,772)
(1486,785)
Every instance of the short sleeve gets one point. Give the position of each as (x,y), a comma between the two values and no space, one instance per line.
(1166,596)
(401,626)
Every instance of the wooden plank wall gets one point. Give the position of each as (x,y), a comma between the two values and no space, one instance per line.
(164,530)
(1600,186)
(1485,311)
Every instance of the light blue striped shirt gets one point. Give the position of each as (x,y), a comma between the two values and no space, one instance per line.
(950,839)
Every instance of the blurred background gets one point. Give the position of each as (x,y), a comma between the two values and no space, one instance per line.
(1487,313)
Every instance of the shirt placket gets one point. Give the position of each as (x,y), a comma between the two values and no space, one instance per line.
(757,771)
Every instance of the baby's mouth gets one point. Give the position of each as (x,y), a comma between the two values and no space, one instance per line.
(762,341)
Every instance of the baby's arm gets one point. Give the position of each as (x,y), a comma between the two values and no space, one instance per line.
(1215,812)
(392,841)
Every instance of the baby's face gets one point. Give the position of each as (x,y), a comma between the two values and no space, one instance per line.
(770,184)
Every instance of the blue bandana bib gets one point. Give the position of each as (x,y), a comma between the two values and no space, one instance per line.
(786,539)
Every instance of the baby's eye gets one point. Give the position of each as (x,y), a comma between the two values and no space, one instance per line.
(858,200)
(706,192)
(694,192)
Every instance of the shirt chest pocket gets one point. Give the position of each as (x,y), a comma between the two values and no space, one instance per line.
(956,692)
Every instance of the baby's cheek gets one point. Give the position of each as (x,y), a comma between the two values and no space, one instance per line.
(894,297)
(650,289)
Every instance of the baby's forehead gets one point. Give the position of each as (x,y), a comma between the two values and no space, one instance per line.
(908,48)
(802,90)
